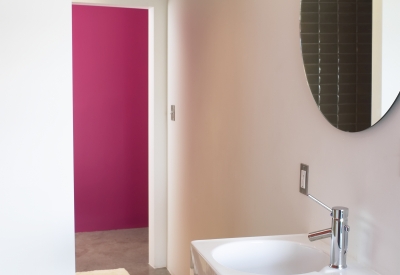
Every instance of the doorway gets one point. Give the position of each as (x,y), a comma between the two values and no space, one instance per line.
(110,62)
(157,124)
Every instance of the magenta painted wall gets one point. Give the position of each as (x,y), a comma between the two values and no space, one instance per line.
(110,70)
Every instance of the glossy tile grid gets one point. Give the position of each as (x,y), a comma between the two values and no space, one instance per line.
(336,39)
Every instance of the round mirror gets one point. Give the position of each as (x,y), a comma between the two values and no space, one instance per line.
(348,61)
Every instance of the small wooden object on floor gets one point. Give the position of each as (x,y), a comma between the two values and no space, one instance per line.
(119,271)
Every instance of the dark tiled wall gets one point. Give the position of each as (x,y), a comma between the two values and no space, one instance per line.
(336,38)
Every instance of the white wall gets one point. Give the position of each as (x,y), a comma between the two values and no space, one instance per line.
(36,163)
(246,120)
(386,60)
(390,53)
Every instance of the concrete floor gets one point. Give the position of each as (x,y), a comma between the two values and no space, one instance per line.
(126,248)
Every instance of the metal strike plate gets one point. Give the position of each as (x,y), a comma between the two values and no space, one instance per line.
(173,112)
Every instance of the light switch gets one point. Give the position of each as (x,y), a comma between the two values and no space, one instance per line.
(304,179)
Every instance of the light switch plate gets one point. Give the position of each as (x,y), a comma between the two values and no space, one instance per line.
(304,179)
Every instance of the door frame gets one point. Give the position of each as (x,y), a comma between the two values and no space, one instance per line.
(157,119)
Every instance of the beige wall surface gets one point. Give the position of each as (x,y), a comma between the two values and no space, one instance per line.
(245,120)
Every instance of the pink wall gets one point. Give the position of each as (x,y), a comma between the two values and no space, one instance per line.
(110,72)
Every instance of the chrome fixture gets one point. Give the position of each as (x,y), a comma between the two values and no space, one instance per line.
(338,233)
(172,112)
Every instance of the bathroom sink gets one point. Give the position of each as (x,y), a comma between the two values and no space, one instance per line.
(270,257)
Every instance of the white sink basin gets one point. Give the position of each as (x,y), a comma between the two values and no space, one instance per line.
(270,257)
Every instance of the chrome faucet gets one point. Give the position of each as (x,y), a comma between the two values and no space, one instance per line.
(338,233)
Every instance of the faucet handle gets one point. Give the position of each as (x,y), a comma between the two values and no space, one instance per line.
(320,203)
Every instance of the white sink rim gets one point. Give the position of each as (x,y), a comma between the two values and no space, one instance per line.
(205,264)
(270,257)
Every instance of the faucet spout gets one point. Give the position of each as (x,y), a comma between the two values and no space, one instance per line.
(321,234)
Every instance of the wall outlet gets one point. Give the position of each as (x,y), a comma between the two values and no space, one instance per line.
(304,179)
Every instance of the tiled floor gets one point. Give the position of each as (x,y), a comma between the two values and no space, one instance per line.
(115,249)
